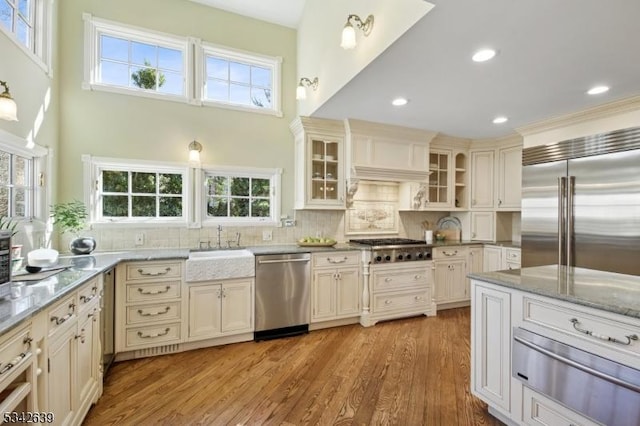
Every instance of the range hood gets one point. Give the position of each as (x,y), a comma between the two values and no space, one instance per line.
(386,153)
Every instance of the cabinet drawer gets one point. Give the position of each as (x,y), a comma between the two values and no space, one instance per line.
(138,314)
(153,271)
(409,300)
(148,336)
(449,252)
(512,255)
(512,265)
(150,292)
(62,313)
(346,258)
(577,323)
(539,410)
(390,280)
(87,293)
(15,350)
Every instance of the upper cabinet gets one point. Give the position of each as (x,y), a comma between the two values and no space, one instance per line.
(319,163)
(509,178)
(482,166)
(439,194)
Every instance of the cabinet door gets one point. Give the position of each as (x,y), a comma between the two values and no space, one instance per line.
(323,295)
(348,293)
(441,292)
(482,179)
(510,178)
(458,279)
(237,309)
(61,378)
(475,263)
(440,179)
(450,280)
(205,306)
(492,259)
(324,175)
(491,345)
(88,352)
(482,226)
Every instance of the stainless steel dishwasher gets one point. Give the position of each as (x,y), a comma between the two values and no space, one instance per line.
(282,295)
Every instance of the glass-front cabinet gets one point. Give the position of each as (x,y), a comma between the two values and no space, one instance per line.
(439,162)
(319,154)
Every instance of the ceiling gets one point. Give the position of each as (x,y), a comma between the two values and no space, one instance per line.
(281,12)
(549,54)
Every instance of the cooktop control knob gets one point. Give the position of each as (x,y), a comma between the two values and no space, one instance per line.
(378,258)
(420,255)
(387,258)
(408,257)
(399,257)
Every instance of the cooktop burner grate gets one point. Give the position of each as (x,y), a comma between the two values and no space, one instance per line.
(386,241)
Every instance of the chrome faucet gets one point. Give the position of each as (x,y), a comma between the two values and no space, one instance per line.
(219,233)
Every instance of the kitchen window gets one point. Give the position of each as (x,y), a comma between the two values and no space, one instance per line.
(238,79)
(27,23)
(128,191)
(130,60)
(241,196)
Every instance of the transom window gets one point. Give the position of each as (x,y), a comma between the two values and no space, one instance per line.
(17,17)
(141,194)
(16,185)
(239,79)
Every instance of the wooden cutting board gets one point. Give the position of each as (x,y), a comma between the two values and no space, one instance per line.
(450,234)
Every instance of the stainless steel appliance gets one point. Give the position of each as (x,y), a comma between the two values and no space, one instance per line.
(581,203)
(563,373)
(387,250)
(107,318)
(282,295)
(5,263)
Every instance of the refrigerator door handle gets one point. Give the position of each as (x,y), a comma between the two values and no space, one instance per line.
(569,215)
(562,215)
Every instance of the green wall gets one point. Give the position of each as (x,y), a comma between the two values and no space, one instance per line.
(114,125)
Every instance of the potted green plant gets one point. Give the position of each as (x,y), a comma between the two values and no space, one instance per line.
(71,217)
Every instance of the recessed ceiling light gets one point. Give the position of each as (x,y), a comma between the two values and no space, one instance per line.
(500,120)
(597,90)
(483,55)
(399,101)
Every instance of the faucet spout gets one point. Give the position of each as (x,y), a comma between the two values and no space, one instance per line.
(219,235)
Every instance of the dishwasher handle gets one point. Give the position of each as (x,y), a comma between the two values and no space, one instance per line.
(263,262)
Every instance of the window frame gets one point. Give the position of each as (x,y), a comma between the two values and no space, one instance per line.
(275,178)
(93,167)
(40,47)
(95,27)
(249,58)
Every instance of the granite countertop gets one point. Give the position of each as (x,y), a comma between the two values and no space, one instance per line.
(294,248)
(608,291)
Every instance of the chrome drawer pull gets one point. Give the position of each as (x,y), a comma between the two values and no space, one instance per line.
(388,280)
(449,253)
(60,320)
(151,336)
(14,362)
(153,314)
(85,299)
(166,290)
(154,274)
(330,260)
(417,277)
(629,338)
(387,302)
(418,298)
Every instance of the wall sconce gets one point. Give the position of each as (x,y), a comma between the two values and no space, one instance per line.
(195,148)
(349,33)
(301,91)
(8,107)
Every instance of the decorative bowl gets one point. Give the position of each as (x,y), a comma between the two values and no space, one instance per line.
(42,257)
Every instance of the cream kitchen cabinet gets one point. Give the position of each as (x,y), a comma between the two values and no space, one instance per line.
(483,225)
(497,258)
(491,345)
(18,371)
(482,179)
(450,270)
(509,178)
(220,308)
(335,286)
(319,163)
(149,305)
(475,262)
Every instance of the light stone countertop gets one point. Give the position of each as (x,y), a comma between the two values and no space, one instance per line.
(607,291)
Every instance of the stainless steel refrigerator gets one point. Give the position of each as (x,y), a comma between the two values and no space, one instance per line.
(581,203)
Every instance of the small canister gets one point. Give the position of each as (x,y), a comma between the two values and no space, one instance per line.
(428,237)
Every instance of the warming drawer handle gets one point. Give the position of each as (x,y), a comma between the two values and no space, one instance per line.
(154,274)
(331,260)
(577,365)
(151,336)
(629,338)
(166,290)
(153,314)
(261,262)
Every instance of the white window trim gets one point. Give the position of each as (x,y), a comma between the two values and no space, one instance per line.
(42,163)
(275,175)
(92,168)
(42,33)
(273,63)
(94,27)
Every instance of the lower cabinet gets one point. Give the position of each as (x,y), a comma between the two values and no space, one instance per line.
(18,372)
(220,308)
(335,286)
(498,258)
(450,265)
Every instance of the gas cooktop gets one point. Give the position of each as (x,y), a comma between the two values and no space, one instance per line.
(385,242)
(386,250)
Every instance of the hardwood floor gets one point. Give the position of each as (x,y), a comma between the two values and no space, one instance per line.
(407,372)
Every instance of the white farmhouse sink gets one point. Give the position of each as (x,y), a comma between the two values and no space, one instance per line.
(219,264)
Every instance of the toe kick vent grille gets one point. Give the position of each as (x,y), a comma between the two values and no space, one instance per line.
(158,350)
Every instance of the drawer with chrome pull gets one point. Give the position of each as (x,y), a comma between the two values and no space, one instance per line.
(140,314)
(89,292)
(512,255)
(409,300)
(62,313)
(147,292)
(149,336)
(15,354)
(334,259)
(449,252)
(136,271)
(400,278)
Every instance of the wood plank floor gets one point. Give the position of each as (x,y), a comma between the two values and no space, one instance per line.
(405,372)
